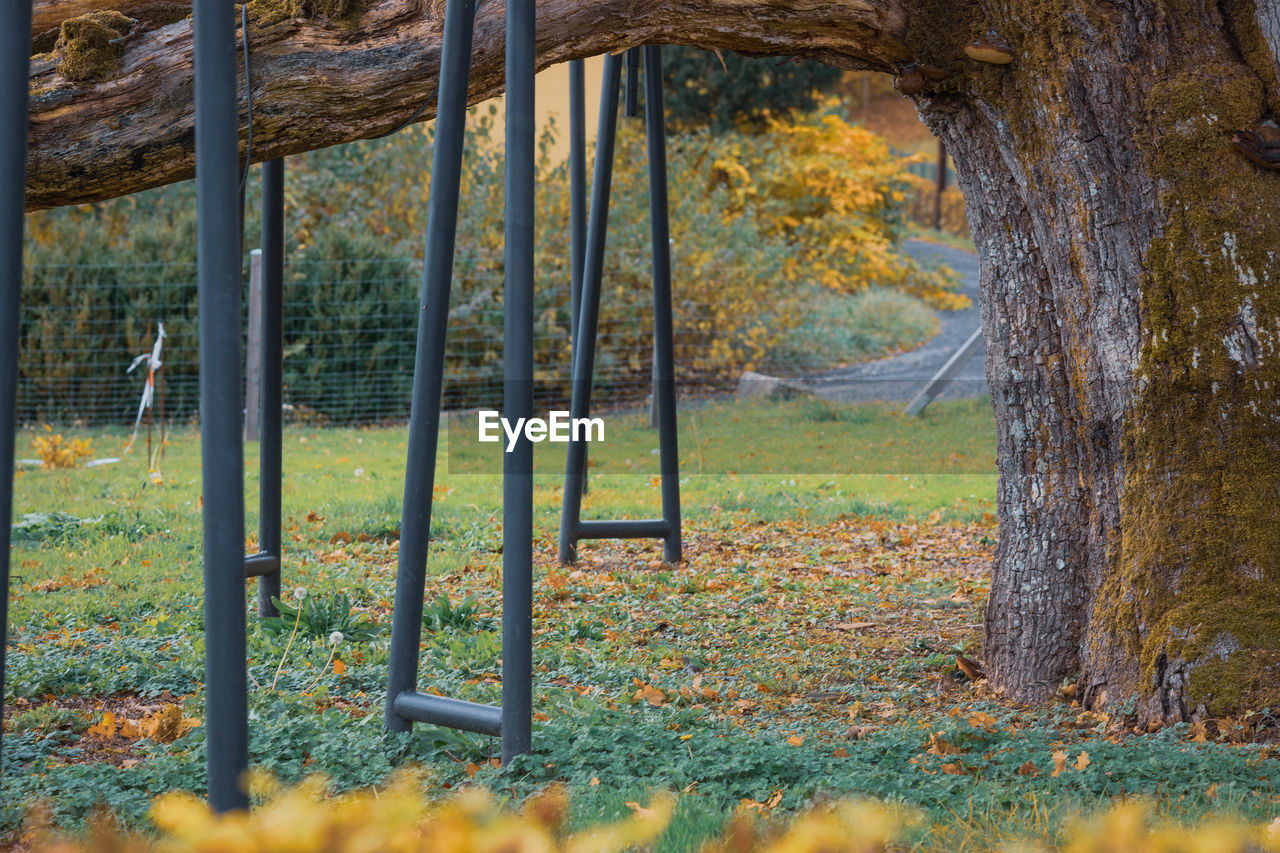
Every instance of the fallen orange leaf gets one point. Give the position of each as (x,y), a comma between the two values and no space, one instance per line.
(970,668)
(106,728)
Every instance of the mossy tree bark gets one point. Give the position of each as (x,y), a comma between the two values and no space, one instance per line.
(1129,289)
(1132,311)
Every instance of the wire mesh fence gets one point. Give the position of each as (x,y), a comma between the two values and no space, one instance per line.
(349,338)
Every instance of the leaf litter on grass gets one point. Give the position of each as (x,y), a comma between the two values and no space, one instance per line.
(811,637)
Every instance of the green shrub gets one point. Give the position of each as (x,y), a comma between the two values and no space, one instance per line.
(749,240)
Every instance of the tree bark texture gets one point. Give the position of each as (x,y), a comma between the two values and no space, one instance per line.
(318,82)
(1133,338)
(1128,252)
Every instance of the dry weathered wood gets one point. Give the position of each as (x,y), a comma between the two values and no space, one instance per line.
(49,14)
(317,83)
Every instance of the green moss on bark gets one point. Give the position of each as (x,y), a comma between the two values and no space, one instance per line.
(84,47)
(264,13)
(1189,588)
(1194,594)
(1242,18)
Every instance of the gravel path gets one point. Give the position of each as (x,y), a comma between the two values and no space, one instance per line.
(900,377)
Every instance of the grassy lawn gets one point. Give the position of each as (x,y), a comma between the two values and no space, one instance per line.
(837,563)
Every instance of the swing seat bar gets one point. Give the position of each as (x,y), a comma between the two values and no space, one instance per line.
(450,713)
(647,528)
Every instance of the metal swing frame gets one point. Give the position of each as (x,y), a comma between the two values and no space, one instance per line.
(512,720)
(573,528)
(219,215)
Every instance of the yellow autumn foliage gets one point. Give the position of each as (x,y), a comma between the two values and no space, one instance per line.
(163,725)
(58,452)
(837,193)
(399,819)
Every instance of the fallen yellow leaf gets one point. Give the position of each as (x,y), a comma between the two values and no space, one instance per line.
(106,728)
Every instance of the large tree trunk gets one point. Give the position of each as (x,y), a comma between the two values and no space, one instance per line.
(1128,250)
(1133,339)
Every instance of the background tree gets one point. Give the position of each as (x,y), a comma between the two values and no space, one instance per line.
(724,90)
(1129,261)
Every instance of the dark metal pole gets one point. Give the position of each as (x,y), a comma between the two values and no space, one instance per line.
(271,375)
(577,187)
(577,198)
(222,454)
(15,52)
(663,335)
(631,107)
(428,370)
(584,349)
(517,367)
(942,185)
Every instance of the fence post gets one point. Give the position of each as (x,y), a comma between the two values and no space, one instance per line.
(944,375)
(253,356)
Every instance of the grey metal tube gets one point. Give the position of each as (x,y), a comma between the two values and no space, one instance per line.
(452,713)
(261,565)
(428,370)
(630,106)
(577,200)
(270,431)
(517,368)
(222,454)
(584,350)
(663,322)
(626,528)
(577,187)
(15,53)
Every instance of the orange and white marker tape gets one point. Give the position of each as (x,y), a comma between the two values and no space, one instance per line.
(148,391)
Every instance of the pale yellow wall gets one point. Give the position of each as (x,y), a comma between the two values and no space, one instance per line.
(551,91)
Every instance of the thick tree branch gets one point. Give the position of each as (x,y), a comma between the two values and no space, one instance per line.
(318,83)
(47,15)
